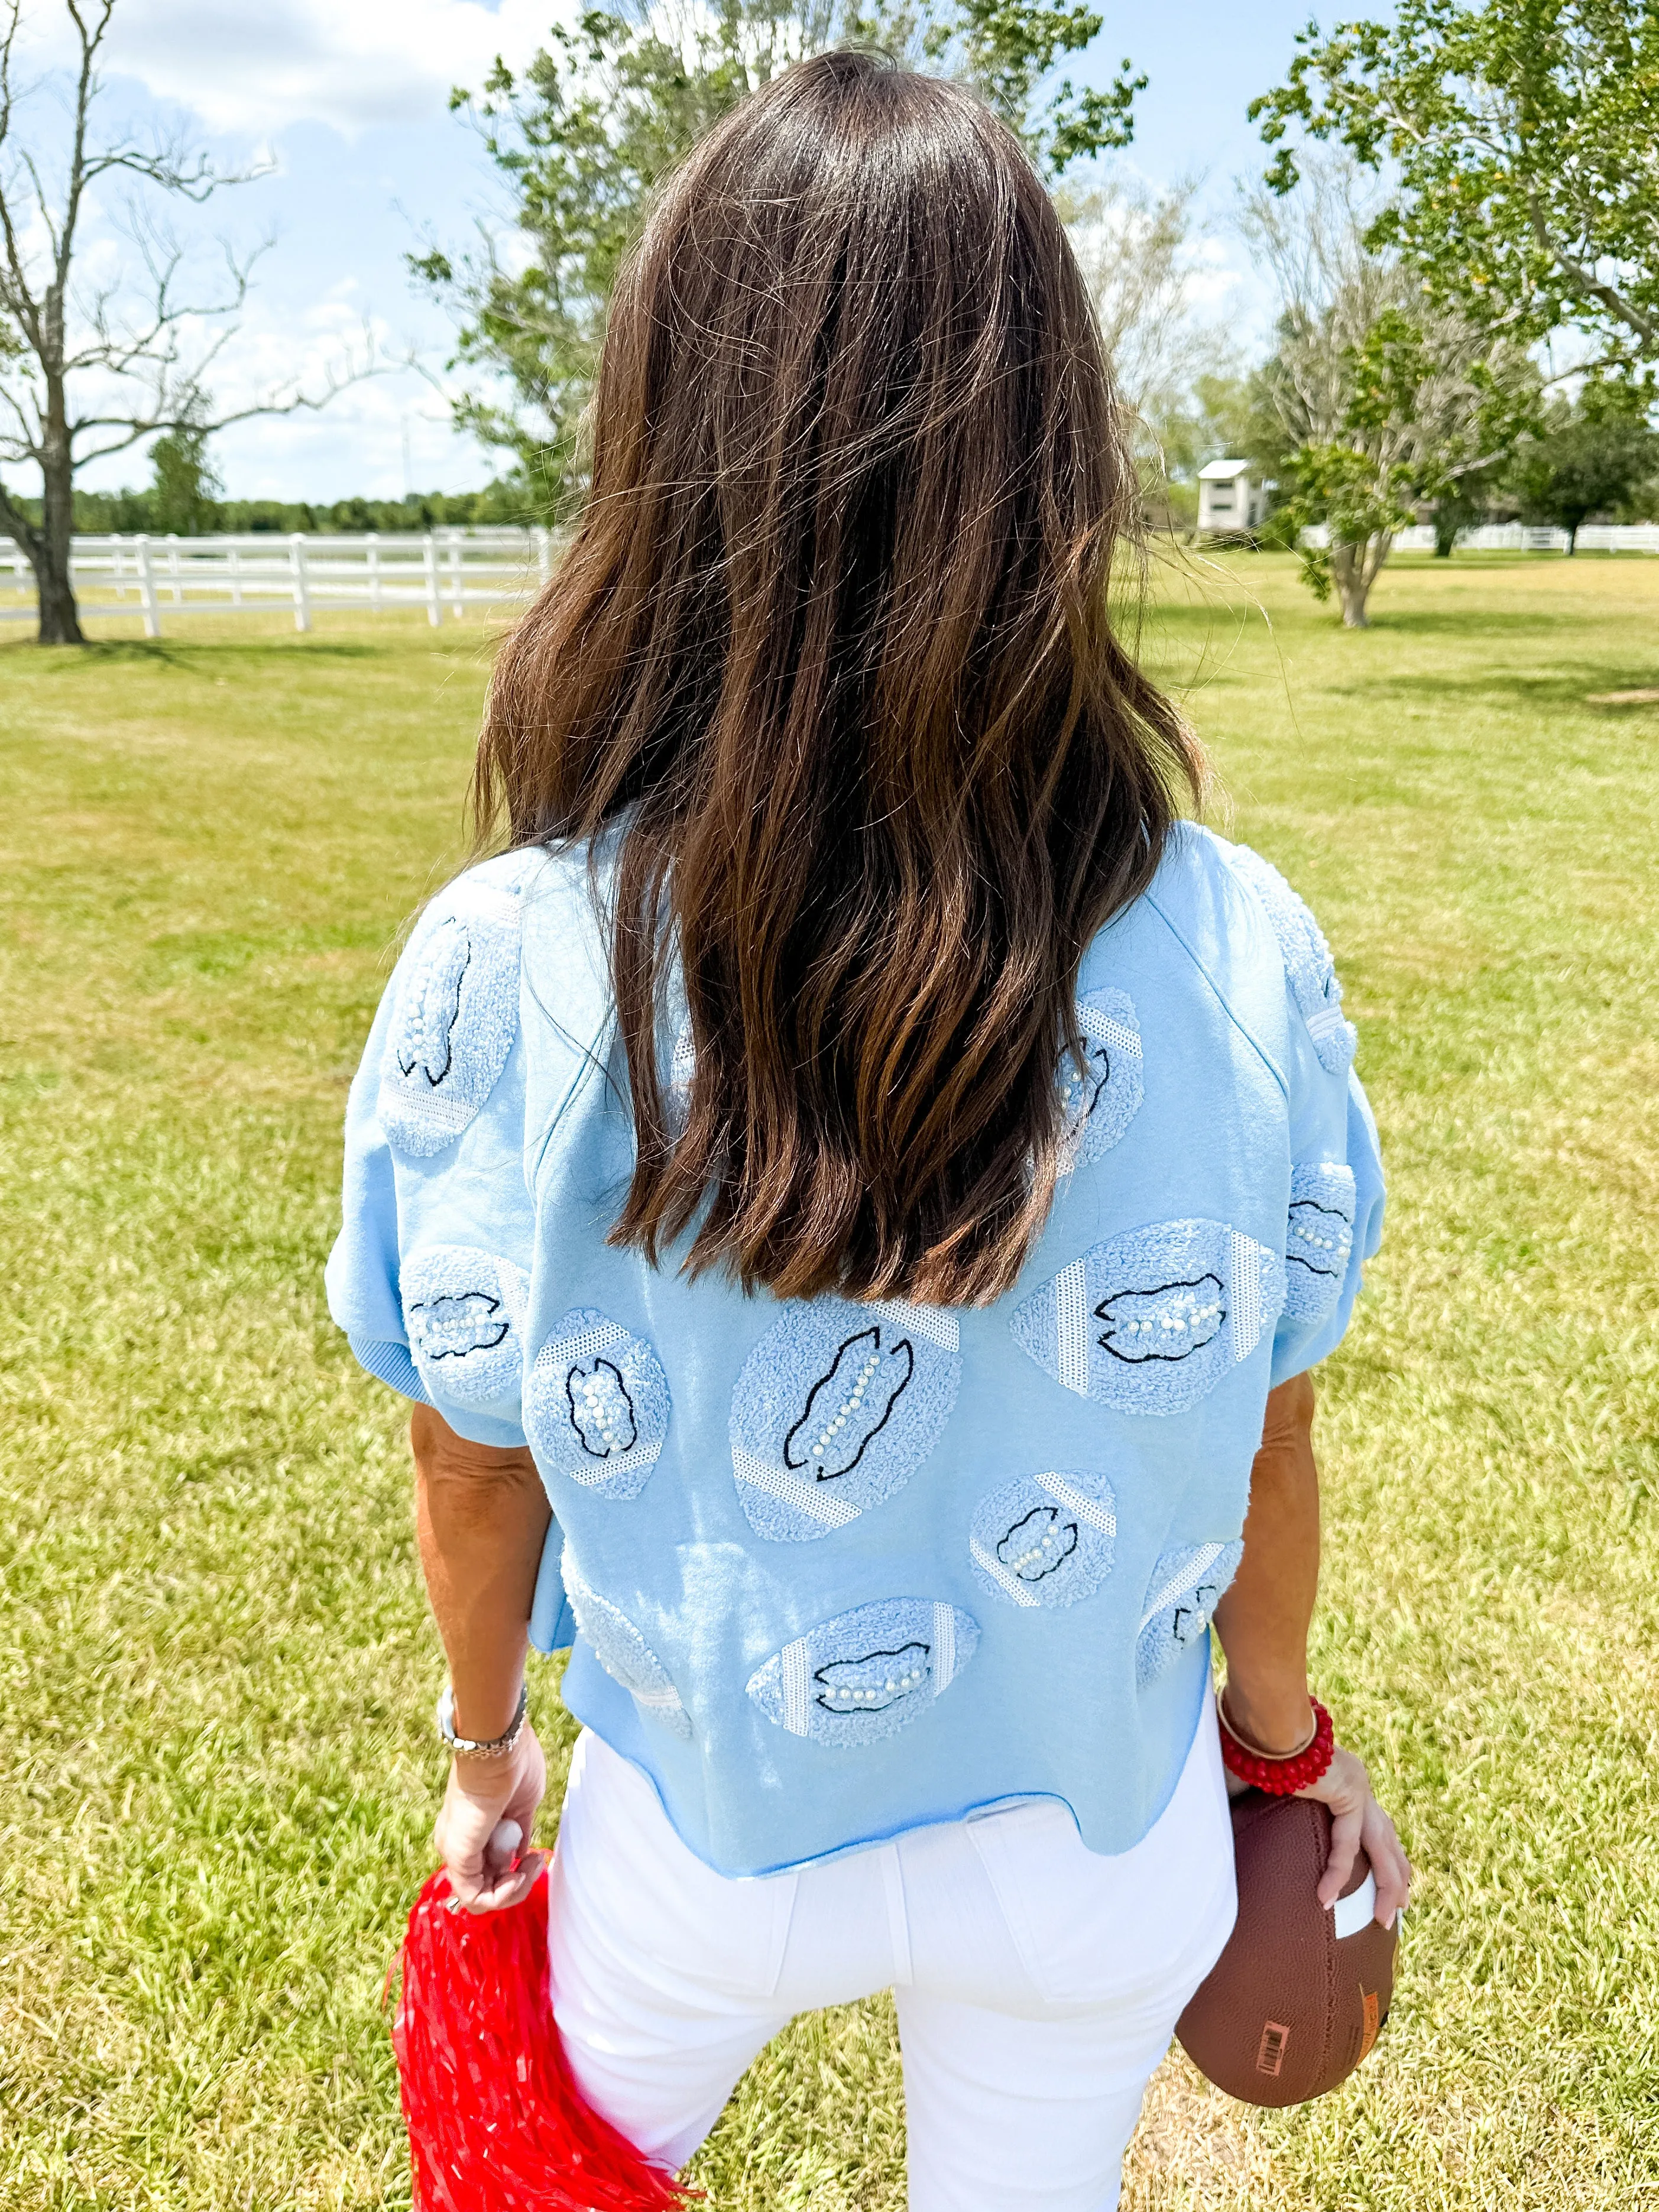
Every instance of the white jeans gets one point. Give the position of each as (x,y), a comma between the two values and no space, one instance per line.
(1037,1983)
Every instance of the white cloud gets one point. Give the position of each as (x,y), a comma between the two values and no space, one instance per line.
(258,66)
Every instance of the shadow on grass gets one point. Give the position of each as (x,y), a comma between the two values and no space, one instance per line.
(209,656)
(1561,687)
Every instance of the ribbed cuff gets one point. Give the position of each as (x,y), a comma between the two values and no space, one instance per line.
(389,1363)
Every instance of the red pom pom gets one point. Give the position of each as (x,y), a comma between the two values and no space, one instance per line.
(496,2122)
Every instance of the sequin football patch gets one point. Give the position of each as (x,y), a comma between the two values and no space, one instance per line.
(1313,978)
(462,1310)
(1045,1539)
(624,1654)
(1099,1102)
(835,1408)
(1149,1322)
(865,1675)
(596,1404)
(456,1016)
(1181,1600)
(1318,1239)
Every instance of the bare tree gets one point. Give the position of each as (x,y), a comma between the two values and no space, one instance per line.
(1135,248)
(87,374)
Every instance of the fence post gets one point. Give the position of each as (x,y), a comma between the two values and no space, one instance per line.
(458,586)
(374,571)
(117,569)
(173,568)
(147,588)
(545,552)
(296,556)
(434,605)
(235,576)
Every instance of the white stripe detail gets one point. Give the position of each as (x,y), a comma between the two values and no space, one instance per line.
(1091,1509)
(793,1661)
(515,1289)
(665,1701)
(1104,1029)
(565,1351)
(777,1482)
(944,1646)
(1003,1576)
(1325,1021)
(1351,1913)
(1072,1329)
(606,1470)
(486,903)
(1247,1295)
(936,1324)
(1185,1578)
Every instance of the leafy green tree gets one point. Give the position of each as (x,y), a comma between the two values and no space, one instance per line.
(581,135)
(1386,402)
(184,489)
(1520,136)
(1589,456)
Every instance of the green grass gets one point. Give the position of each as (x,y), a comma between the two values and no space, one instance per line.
(216,1774)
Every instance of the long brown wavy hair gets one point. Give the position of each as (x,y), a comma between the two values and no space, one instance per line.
(830,647)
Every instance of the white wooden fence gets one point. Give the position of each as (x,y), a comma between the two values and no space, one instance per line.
(1524,537)
(447,571)
(444,572)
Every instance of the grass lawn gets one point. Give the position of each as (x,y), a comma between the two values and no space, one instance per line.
(216,1770)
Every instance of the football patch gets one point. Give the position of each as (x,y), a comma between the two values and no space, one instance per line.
(596,1404)
(1318,1239)
(1045,1539)
(1150,1322)
(1099,1103)
(868,1673)
(1308,963)
(1181,1600)
(835,1408)
(456,1017)
(624,1654)
(462,1310)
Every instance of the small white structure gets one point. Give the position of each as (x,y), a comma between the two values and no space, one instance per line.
(1231,496)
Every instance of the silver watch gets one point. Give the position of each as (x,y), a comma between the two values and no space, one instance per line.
(496,1747)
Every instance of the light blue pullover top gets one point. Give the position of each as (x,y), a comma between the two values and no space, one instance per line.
(835,1571)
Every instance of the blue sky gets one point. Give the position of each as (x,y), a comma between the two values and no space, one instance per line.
(348,99)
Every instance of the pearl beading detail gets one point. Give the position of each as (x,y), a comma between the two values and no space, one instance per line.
(840,1695)
(1175,1321)
(850,1407)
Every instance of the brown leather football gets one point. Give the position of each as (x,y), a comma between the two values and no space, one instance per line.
(1296,1999)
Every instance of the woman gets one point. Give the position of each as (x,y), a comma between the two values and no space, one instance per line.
(855,1187)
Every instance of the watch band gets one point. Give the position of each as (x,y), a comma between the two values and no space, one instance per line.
(468,1747)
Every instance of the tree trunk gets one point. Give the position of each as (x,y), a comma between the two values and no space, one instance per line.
(1354,570)
(1445,532)
(60,620)
(1572,539)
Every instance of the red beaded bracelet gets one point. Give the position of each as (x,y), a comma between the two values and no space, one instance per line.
(1279,1778)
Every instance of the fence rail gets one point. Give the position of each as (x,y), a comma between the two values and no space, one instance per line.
(1522,538)
(443,572)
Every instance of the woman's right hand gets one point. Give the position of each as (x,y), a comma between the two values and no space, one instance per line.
(1357,1820)
(488,1866)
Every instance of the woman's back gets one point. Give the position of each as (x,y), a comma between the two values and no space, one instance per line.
(845,1568)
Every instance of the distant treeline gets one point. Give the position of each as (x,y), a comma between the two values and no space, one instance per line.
(150,510)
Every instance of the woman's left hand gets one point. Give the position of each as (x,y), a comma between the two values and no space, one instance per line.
(1356,1820)
(489,1811)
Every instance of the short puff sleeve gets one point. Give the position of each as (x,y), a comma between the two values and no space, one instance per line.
(1334,1222)
(429,1275)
